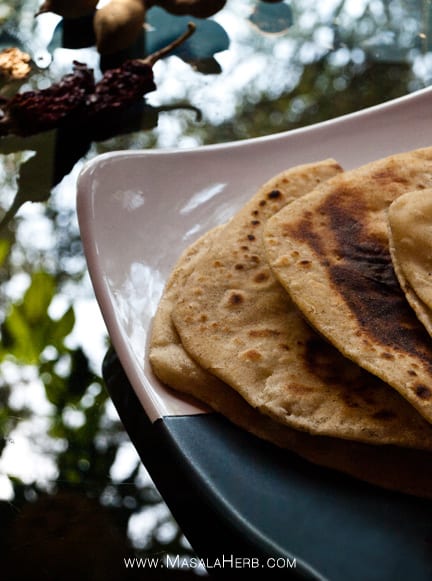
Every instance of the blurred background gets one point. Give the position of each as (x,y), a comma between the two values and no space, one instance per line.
(74,496)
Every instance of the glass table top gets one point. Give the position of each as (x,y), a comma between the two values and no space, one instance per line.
(253,68)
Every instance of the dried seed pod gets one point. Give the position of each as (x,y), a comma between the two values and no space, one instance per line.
(198,8)
(122,86)
(118,24)
(69,9)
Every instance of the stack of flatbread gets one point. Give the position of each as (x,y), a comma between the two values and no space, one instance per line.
(304,319)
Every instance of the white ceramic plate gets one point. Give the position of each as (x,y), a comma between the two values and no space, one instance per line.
(138,210)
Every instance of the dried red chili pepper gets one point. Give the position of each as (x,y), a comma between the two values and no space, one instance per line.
(77,98)
(34,111)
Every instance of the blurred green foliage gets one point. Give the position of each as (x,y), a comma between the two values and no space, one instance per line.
(318,65)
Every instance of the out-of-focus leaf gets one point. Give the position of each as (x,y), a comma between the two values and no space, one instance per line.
(80,375)
(208,66)
(38,297)
(4,249)
(18,338)
(28,328)
(208,39)
(272,18)
(55,392)
(35,178)
(62,327)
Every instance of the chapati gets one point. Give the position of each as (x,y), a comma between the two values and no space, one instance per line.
(330,250)
(410,234)
(401,469)
(236,321)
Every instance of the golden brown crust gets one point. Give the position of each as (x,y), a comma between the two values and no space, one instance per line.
(410,237)
(404,470)
(239,324)
(331,252)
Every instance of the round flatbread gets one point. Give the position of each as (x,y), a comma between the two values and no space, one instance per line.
(330,250)
(410,235)
(404,470)
(169,360)
(238,323)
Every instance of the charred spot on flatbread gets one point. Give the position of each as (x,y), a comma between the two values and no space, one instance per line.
(260,344)
(361,403)
(350,292)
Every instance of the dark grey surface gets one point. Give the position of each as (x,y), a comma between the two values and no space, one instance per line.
(263,501)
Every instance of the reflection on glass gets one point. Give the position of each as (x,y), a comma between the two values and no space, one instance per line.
(251,70)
